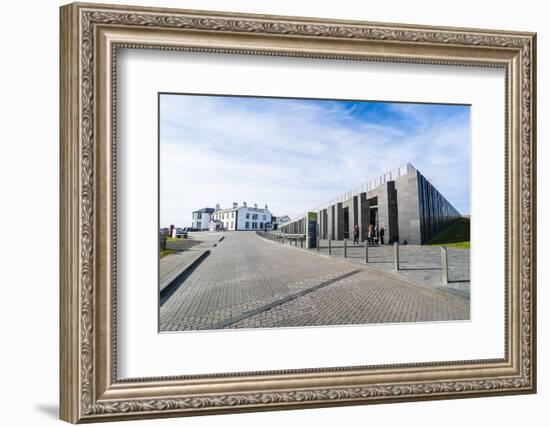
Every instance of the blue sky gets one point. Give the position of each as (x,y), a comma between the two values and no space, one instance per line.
(295,154)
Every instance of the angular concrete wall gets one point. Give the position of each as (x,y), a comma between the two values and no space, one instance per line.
(409,208)
(435,212)
(408,217)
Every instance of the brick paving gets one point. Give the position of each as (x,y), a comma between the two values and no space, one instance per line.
(170,266)
(421,264)
(247,274)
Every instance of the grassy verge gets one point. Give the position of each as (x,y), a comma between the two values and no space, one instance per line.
(166,252)
(457,245)
(456,235)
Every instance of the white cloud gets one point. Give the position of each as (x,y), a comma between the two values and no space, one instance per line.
(294,155)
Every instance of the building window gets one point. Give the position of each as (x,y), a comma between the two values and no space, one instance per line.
(232,214)
(261,225)
(254,225)
(247,225)
(254,216)
(199,216)
(264,218)
(199,224)
(231,224)
(247,215)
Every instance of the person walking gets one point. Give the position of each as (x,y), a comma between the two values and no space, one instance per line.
(382,235)
(356,234)
(369,234)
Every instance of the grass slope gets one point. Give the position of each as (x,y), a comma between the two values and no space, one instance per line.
(165,252)
(456,235)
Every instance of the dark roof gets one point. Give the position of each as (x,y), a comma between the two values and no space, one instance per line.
(204,210)
(226,210)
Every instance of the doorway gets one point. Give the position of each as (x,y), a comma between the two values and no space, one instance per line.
(346,223)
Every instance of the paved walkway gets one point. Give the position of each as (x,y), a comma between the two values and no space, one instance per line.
(189,250)
(421,264)
(249,282)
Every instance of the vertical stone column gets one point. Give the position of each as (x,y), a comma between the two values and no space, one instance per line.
(363,212)
(349,205)
(339,216)
(355,213)
(383,209)
(392,232)
(325,225)
(330,222)
(320,220)
(408,219)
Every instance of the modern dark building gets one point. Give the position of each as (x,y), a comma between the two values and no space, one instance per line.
(402,201)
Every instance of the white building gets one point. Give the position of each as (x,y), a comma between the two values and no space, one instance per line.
(278,220)
(201,218)
(241,218)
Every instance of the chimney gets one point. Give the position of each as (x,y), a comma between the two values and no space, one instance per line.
(217,206)
(244,204)
(256,205)
(266,207)
(235,205)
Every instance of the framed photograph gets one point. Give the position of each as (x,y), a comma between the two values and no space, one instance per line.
(266,212)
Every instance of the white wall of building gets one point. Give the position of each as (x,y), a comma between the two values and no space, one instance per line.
(228,218)
(243,218)
(257,218)
(201,220)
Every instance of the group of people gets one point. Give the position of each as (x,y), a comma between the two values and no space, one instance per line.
(373,235)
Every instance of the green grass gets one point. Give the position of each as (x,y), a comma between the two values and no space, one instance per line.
(456,235)
(166,252)
(457,245)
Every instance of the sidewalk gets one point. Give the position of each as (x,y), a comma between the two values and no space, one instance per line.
(251,282)
(420,264)
(196,247)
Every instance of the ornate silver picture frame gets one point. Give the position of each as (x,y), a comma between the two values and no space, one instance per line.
(91,37)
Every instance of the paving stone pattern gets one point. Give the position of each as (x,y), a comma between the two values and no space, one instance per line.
(188,249)
(421,264)
(245,272)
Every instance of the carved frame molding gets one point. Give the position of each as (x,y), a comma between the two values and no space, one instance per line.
(90,36)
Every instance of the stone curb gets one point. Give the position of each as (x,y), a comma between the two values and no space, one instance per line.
(166,284)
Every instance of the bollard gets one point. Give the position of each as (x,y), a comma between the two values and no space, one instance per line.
(444,266)
(329,247)
(318,242)
(366,253)
(396,256)
(302,243)
(345,248)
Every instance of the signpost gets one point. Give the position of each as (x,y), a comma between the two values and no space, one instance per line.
(311,230)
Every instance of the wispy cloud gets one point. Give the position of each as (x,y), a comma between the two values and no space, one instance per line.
(296,154)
